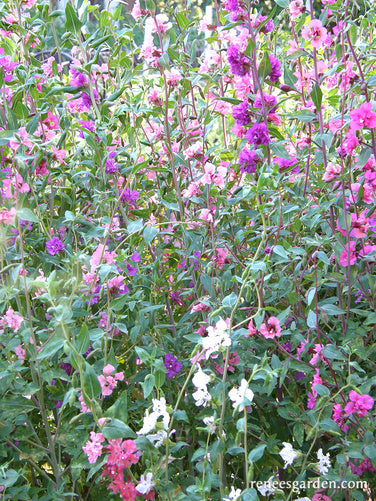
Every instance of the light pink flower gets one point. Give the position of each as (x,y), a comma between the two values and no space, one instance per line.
(108,383)
(93,448)
(332,171)
(7,216)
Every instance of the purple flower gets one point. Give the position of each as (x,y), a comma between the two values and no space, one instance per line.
(86,99)
(267,28)
(135,257)
(258,134)
(240,64)
(241,113)
(111,167)
(248,161)
(270,102)
(276,68)
(232,5)
(131,269)
(54,246)
(129,195)
(79,79)
(285,163)
(172,365)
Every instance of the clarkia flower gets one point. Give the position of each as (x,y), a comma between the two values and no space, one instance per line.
(54,246)
(258,134)
(172,365)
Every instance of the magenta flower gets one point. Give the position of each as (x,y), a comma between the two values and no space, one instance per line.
(248,161)
(54,246)
(240,65)
(363,117)
(347,258)
(258,134)
(241,113)
(172,365)
(359,403)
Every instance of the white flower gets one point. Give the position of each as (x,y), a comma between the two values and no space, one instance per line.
(159,437)
(288,454)
(303,499)
(202,397)
(209,421)
(217,337)
(237,395)
(267,488)
(200,379)
(233,495)
(150,420)
(324,462)
(146,484)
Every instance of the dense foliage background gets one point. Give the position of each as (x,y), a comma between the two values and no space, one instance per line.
(188,221)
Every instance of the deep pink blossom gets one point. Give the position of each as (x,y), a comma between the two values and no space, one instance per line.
(271,328)
(360,404)
(363,117)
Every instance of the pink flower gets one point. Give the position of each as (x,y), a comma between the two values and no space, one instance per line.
(93,449)
(315,32)
(11,320)
(359,403)
(136,11)
(173,77)
(363,117)
(271,329)
(296,8)
(122,454)
(20,352)
(108,382)
(84,407)
(332,171)
(7,216)
(347,258)
(251,329)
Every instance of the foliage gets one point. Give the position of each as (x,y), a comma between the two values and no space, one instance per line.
(188,252)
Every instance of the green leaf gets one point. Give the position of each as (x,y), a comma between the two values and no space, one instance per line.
(182,20)
(53,346)
(370,451)
(332,309)
(316,96)
(311,319)
(149,234)
(27,215)
(135,226)
(230,300)
(322,390)
(83,339)
(181,416)
(117,429)
(148,385)
(303,115)
(282,3)
(92,385)
(265,67)
(298,433)
(250,495)
(331,351)
(257,453)
(120,408)
(72,23)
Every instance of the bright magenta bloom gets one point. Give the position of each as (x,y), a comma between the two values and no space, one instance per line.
(363,117)
(359,403)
